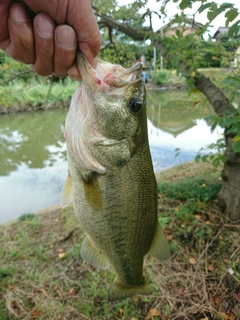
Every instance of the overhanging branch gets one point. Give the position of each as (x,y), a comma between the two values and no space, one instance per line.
(134,33)
(219,101)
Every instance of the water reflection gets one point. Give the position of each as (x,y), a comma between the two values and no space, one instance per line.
(33,164)
(175,120)
(27,138)
(175,116)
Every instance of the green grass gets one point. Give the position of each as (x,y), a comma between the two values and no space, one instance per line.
(42,275)
(190,189)
(36,92)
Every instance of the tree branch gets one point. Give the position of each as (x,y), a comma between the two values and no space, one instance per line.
(15,76)
(134,33)
(219,101)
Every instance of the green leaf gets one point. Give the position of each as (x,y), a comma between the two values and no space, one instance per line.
(227,122)
(185,4)
(204,7)
(178,33)
(178,151)
(231,130)
(216,162)
(233,81)
(214,125)
(175,61)
(226,5)
(222,158)
(231,15)
(236,138)
(211,118)
(236,146)
(212,12)
(234,30)
(198,158)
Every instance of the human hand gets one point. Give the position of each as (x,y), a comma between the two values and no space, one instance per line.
(46,34)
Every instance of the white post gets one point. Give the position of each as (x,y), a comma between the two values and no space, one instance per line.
(154,58)
(161,58)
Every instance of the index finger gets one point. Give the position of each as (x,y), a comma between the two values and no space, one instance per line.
(4,35)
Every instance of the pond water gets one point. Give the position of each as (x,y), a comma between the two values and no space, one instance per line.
(33,164)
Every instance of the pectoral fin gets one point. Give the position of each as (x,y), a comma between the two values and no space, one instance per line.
(92,192)
(160,248)
(66,196)
(120,292)
(92,255)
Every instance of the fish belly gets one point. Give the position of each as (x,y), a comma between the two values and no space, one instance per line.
(118,211)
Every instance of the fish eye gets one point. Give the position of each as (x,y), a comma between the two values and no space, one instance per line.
(134,104)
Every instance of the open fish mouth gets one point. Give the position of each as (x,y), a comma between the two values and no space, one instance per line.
(107,76)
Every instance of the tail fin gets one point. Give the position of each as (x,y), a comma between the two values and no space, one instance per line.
(120,292)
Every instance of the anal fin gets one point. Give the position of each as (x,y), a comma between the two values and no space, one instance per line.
(120,292)
(160,247)
(92,255)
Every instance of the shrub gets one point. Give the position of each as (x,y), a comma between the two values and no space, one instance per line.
(160,77)
(190,188)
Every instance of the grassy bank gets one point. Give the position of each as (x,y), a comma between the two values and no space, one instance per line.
(19,96)
(42,275)
(34,92)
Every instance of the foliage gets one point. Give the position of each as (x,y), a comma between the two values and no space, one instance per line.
(212,54)
(9,69)
(230,121)
(120,53)
(212,153)
(36,93)
(27,216)
(160,77)
(190,189)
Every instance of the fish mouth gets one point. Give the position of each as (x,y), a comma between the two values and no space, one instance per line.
(134,72)
(107,76)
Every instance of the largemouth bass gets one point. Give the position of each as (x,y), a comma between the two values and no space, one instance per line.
(111,180)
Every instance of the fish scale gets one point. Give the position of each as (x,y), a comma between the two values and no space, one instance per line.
(113,186)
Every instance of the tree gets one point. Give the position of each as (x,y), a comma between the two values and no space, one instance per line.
(182,52)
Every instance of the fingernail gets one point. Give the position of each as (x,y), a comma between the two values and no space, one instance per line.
(17,15)
(44,26)
(66,37)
